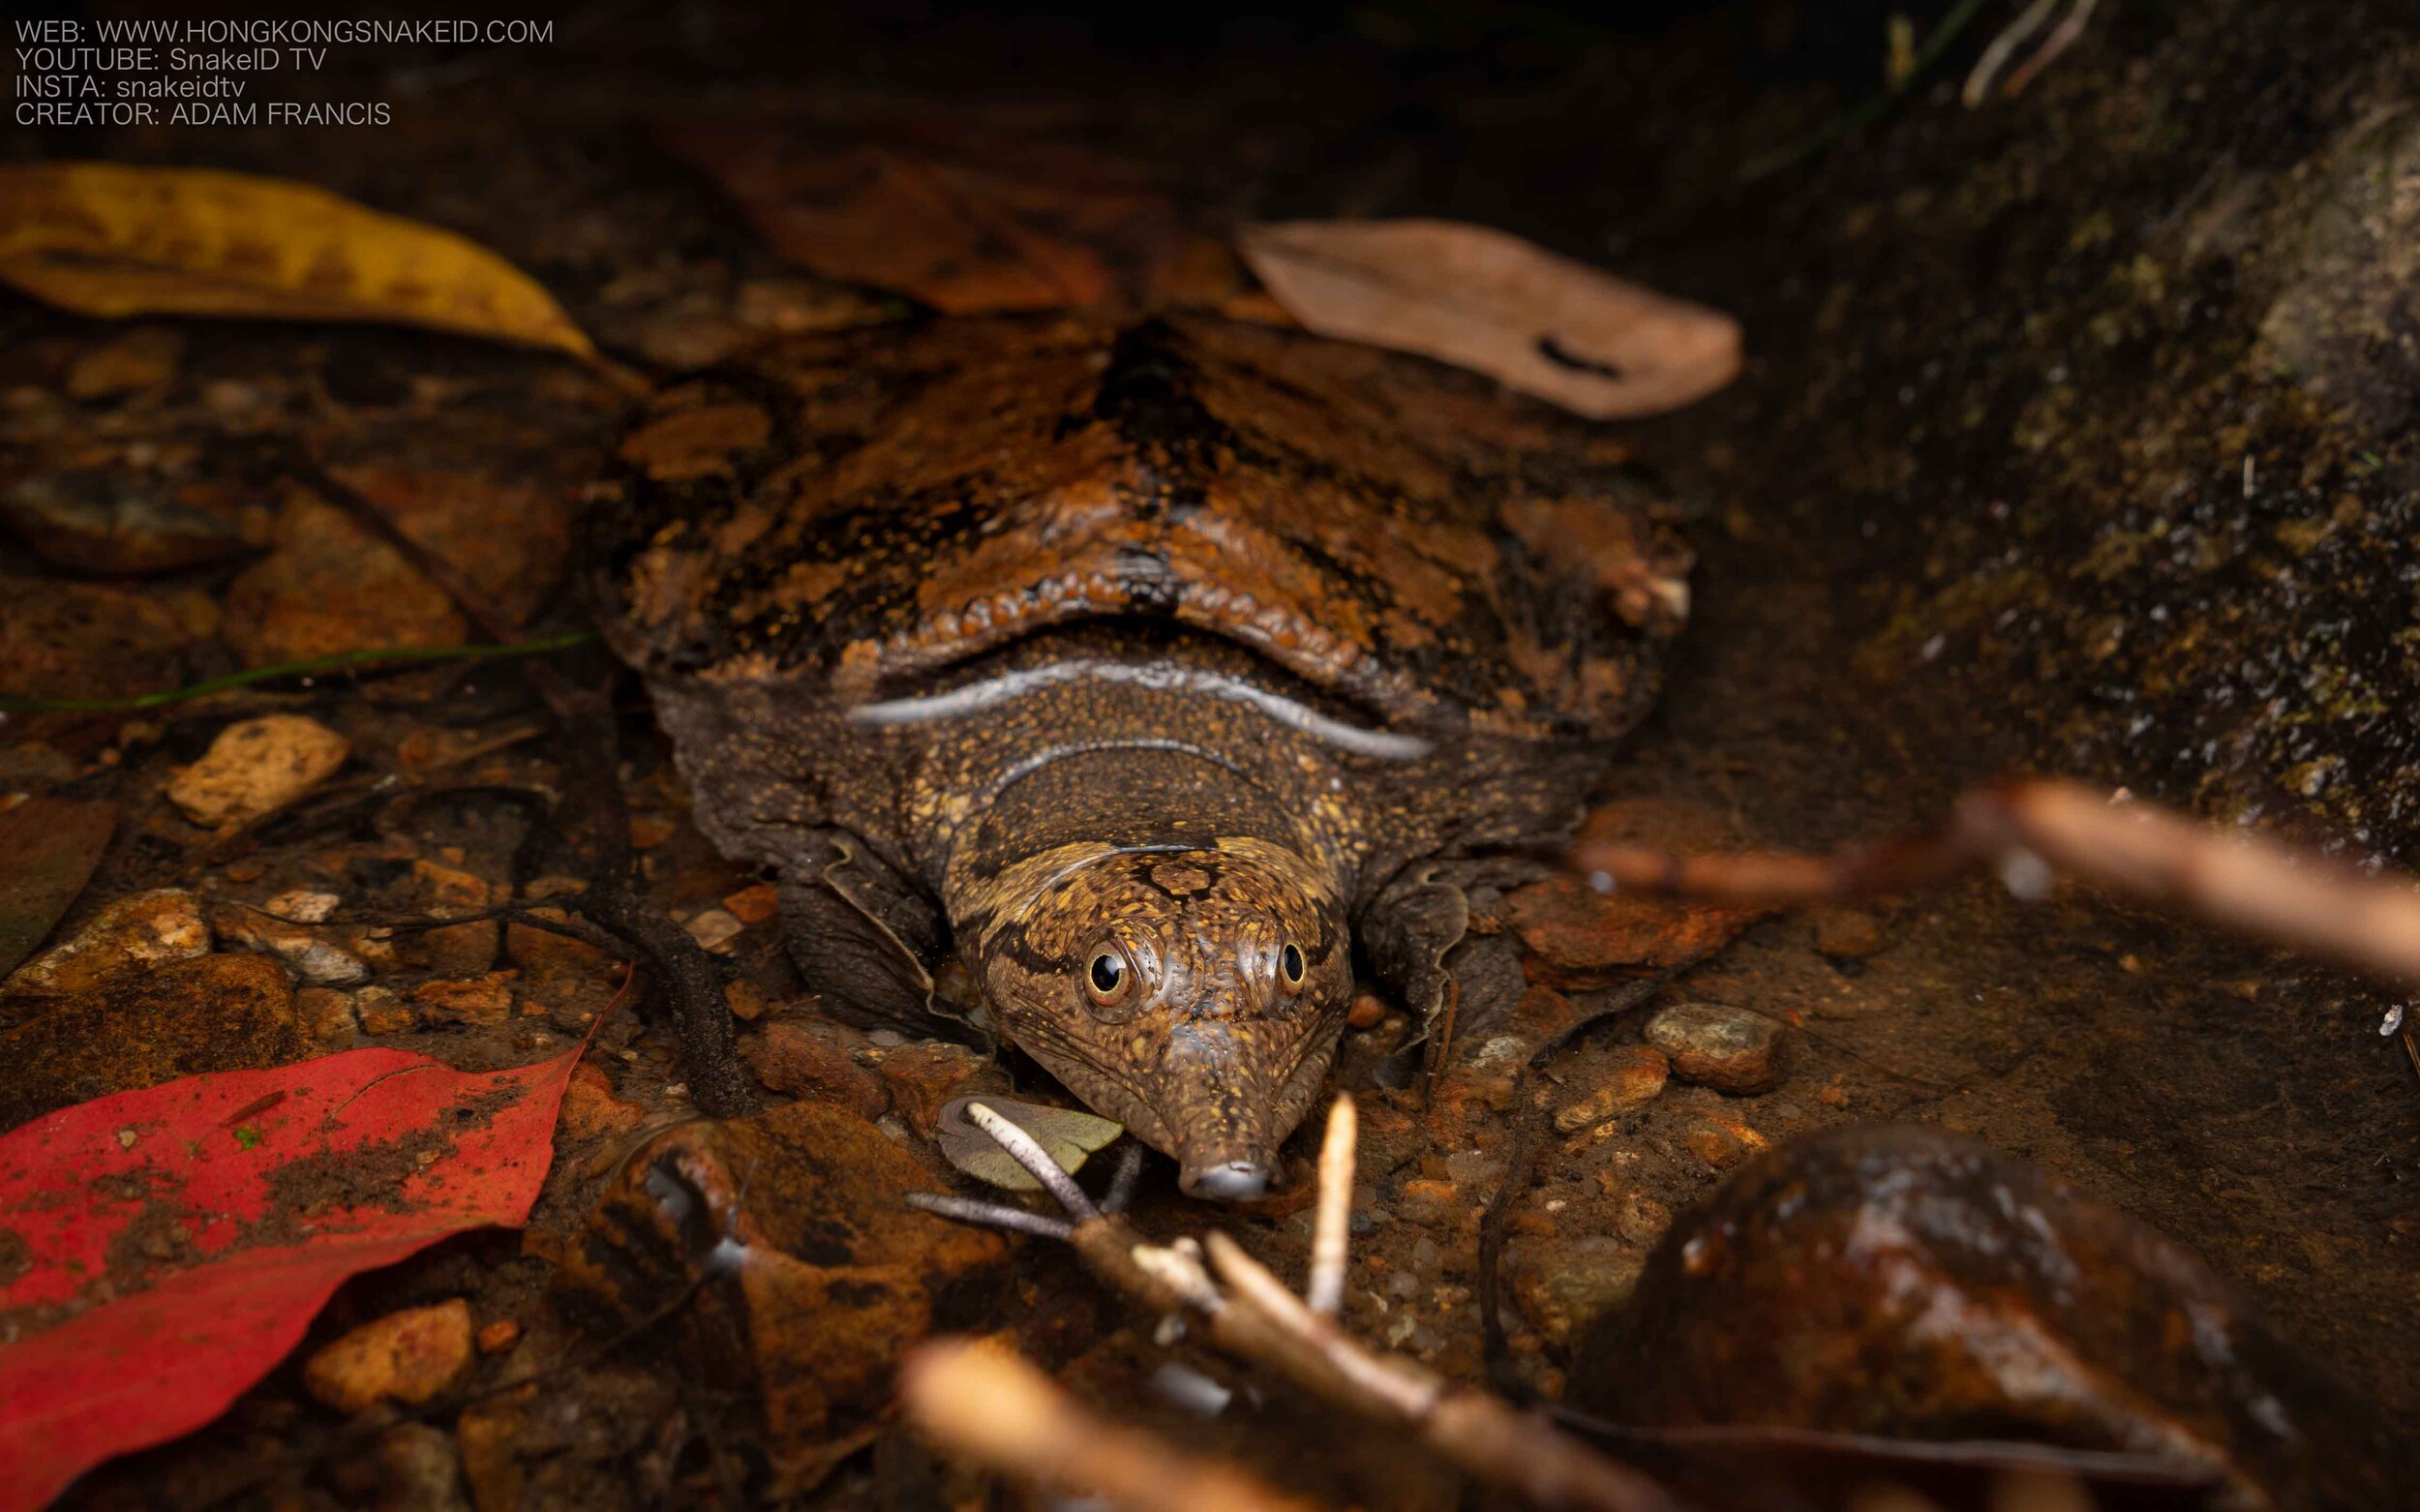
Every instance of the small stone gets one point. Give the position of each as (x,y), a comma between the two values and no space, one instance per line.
(302,906)
(754,905)
(480,1000)
(315,960)
(714,928)
(1722,1141)
(1367,1012)
(547,953)
(463,950)
(649,830)
(327,1013)
(417,1471)
(132,934)
(746,1000)
(592,1110)
(380,1010)
(925,1076)
(1427,1200)
(256,768)
(84,639)
(1716,1045)
(1635,1079)
(411,1358)
(1641,1220)
(1847,933)
(805,1060)
(499,1335)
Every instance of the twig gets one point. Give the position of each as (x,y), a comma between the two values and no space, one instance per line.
(2062,38)
(1331,1227)
(2027,831)
(1248,1313)
(1997,53)
(989,1406)
(342,661)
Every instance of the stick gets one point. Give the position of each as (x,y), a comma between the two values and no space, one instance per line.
(990,1407)
(1331,1231)
(2029,831)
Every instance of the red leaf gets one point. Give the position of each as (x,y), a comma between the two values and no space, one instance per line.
(163,1249)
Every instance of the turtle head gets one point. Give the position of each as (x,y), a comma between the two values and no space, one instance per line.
(1194,994)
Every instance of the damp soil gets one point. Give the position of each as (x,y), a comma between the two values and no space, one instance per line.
(2028,472)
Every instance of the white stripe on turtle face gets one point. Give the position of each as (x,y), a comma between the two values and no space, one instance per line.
(1158,676)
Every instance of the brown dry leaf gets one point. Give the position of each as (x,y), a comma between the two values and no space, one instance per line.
(112,240)
(1486,300)
(967,226)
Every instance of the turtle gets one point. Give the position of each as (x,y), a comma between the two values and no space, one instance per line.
(1168,671)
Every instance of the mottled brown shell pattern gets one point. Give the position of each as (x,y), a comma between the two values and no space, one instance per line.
(860,509)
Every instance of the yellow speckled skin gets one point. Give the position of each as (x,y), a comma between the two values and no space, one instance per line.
(1184,642)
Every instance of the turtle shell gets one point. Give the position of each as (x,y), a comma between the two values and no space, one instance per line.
(856,512)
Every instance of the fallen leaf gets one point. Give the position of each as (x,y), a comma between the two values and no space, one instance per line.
(52,845)
(114,240)
(1486,300)
(1069,1136)
(968,225)
(164,1249)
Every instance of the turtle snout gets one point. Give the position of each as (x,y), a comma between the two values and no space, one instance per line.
(1235,1181)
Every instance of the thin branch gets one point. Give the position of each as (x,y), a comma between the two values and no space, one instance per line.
(2028,832)
(989,1406)
(1331,1231)
(1026,1152)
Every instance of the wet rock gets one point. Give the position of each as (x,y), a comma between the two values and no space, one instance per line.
(497,1337)
(1910,1282)
(303,906)
(923,1076)
(1641,1220)
(88,520)
(463,950)
(808,1061)
(714,928)
(548,957)
(1714,1045)
(1564,1285)
(413,1468)
(143,358)
(131,934)
(592,1110)
(381,1012)
(479,1000)
(754,905)
(810,1273)
(256,768)
(1635,1078)
(310,953)
(1721,1140)
(215,1012)
(327,1015)
(412,1357)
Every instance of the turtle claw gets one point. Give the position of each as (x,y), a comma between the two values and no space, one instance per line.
(1055,1179)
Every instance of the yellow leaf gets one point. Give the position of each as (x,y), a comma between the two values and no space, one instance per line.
(112,240)
(1069,1135)
(1484,299)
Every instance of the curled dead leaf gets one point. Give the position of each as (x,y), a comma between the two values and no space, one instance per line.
(1070,1135)
(1484,299)
(112,240)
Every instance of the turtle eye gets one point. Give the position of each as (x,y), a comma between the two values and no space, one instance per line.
(1108,978)
(1290,963)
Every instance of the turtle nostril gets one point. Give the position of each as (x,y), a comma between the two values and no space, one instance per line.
(1236,1181)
